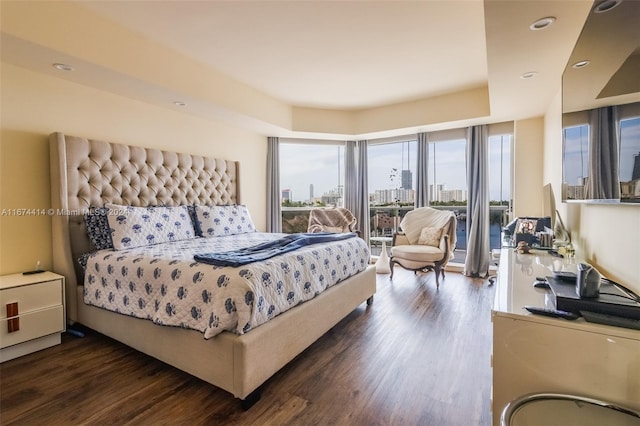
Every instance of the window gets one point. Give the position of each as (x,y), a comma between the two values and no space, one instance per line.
(448,173)
(575,162)
(391,181)
(575,172)
(311,175)
(499,186)
(630,160)
(448,185)
(391,177)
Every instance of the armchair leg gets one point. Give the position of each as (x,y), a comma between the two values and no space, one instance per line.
(391,263)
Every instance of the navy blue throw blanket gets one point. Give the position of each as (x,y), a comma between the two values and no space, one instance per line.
(269,249)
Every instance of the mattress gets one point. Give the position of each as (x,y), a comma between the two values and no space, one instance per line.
(164,284)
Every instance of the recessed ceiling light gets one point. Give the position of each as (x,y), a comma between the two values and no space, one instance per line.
(179,103)
(542,23)
(581,64)
(606,6)
(63,67)
(528,75)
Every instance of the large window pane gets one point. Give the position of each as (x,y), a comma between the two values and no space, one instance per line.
(448,185)
(499,186)
(391,181)
(311,175)
(448,173)
(391,177)
(630,160)
(575,162)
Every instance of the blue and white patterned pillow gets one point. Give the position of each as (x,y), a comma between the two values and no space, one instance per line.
(143,226)
(98,228)
(218,221)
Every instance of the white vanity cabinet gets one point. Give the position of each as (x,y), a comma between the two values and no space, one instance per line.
(533,353)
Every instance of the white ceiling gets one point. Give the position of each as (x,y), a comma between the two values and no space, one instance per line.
(323,54)
(358,55)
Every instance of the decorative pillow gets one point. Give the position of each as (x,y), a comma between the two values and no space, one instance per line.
(98,228)
(430,236)
(218,221)
(142,226)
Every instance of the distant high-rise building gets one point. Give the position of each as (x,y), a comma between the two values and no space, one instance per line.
(311,191)
(332,198)
(390,196)
(407,179)
(452,195)
(636,167)
(287,195)
(434,192)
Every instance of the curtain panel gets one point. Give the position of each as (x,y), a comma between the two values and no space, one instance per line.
(604,169)
(422,171)
(274,208)
(351,177)
(362,193)
(356,192)
(477,261)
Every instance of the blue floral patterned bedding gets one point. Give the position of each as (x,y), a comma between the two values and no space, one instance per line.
(163,283)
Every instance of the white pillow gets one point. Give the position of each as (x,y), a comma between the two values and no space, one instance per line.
(430,236)
(218,221)
(143,226)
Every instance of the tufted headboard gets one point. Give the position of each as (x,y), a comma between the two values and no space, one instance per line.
(88,173)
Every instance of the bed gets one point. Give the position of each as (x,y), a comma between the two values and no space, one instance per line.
(89,173)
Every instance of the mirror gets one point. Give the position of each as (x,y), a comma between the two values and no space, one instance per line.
(601,107)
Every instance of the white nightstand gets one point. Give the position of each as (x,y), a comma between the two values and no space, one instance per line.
(32,314)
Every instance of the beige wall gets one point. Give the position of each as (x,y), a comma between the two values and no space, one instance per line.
(607,236)
(528,160)
(35,105)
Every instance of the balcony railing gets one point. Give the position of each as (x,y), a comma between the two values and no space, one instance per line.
(384,220)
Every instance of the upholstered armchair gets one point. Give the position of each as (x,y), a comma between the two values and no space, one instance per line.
(336,220)
(426,243)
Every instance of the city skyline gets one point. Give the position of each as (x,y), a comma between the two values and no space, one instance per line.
(302,165)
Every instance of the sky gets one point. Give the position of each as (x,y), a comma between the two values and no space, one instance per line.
(305,164)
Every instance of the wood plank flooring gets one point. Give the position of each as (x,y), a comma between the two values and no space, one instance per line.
(417,356)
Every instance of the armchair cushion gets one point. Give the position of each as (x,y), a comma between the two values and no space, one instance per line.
(430,236)
(418,253)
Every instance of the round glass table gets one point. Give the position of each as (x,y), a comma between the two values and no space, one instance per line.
(551,409)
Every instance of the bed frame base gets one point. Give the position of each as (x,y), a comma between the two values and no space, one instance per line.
(250,400)
(237,364)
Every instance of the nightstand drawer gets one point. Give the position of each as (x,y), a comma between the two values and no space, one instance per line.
(33,325)
(31,297)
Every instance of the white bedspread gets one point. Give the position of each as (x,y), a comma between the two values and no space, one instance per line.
(164,284)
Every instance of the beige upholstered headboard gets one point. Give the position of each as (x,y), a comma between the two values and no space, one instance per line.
(88,173)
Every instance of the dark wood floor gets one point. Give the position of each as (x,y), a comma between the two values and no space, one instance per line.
(417,356)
